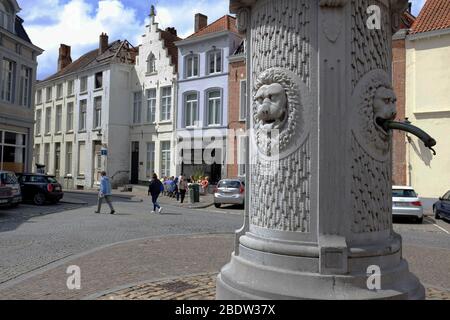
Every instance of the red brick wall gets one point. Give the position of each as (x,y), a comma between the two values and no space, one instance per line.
(238,72)
(399,164)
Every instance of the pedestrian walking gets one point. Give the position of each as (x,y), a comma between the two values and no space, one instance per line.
(154,189)
(105,193)
(182,188)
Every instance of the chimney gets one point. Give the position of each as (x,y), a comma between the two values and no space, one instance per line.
(103,43)
(172,31)
(64,58)
(201,21)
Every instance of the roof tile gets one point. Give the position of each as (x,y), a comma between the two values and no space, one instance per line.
(435,15)
(225,23)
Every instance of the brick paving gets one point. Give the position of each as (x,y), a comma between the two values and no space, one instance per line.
(200,287)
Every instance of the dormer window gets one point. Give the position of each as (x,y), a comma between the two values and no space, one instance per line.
(6,18)
(192,66)
(151,63)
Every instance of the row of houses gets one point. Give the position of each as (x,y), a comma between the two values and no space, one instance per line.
(171,105)
(163,107)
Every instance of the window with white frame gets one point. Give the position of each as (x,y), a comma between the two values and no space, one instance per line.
(38,122)
(243,100)
(165,158)
(83,84)
(48,119)
(70,87)
(69,152)
(242,154)
(99,80)
(47,157)
(192,66)
(6,20)
(69,124)
(59,91)
(214,107)
(83,115)
(25,86)
(151,63)
(97,112)
(39,96)
(8,80)
(214,62)
(37,154)
(150,166)
(191,109)
(58,118)
(166,103)
(48,94)
(151,105)
(81,158)
(137,107)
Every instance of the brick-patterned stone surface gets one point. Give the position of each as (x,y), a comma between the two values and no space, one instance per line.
(201,287)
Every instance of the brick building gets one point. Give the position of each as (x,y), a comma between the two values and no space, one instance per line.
(237,113)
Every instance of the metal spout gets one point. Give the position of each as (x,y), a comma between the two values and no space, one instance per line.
(408,127)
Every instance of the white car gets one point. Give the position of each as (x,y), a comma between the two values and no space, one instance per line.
(405,202)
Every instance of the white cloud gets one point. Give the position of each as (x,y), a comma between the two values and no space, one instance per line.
(79,25)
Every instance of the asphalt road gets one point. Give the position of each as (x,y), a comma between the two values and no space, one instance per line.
(32,237)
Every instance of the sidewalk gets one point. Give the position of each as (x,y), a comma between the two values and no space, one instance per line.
(160,268)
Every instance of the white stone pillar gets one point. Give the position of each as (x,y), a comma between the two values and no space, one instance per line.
(319,191)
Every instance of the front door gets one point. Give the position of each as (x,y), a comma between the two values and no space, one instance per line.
(134,163)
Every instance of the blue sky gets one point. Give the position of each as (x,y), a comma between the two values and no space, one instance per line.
(78,23)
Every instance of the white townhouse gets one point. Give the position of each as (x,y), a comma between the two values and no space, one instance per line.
(82,115)
(18,63)
(154,95)
(202,120)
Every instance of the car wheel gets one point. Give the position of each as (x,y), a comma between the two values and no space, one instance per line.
(217,205)
(419,220)
(39,199)
(436,213)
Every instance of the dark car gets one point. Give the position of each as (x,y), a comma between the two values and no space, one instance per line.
(441,208)
(40,188)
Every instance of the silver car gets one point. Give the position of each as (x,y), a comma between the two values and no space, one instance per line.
(405,202)
(229,191)
(9,179)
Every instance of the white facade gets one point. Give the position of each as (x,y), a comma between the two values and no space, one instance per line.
(203,87)
(153,97)
(77,115)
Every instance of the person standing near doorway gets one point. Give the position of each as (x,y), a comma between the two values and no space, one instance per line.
(105,193)
(182,187)
(154,189)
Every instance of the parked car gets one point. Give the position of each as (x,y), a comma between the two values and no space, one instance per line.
(441,208)
(9,179)
(405,202)
(229,191)
(5,196)
(40,188)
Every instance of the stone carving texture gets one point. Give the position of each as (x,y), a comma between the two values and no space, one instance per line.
(370,192)
(287,209)
(280,42)
(370,145)
(280,33)
(370,48)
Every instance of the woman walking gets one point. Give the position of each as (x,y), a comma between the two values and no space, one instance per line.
(182,187)
(154,189)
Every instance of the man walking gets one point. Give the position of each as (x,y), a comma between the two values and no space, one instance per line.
(105,193)
(154,189)
(182,187)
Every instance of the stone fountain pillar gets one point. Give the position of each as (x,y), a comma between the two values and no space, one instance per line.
(318,217)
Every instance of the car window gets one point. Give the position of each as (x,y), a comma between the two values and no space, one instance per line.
(229,184)
(404,193)
(51,180)
(446,196)
(8,178)
(38,179)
